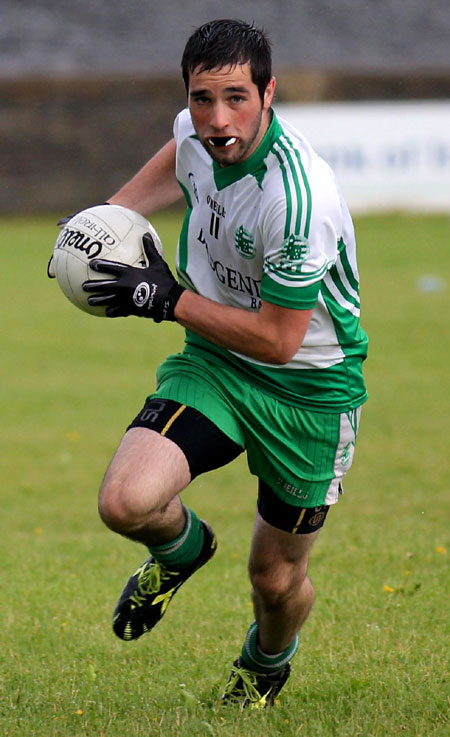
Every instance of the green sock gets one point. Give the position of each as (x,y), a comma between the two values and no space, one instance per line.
(182,551)
(255,659)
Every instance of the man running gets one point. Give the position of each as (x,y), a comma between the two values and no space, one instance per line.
(268,291)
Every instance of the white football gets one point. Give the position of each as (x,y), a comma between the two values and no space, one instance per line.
(111,232)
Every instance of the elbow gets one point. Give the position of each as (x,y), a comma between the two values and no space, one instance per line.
(280,359)
(280,353)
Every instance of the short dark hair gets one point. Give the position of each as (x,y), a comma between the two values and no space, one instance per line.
(222,43)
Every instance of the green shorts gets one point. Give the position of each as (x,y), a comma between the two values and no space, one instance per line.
(302,455)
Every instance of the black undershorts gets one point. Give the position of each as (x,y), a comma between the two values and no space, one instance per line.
(206,447)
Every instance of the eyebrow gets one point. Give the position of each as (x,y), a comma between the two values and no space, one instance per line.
(205,91)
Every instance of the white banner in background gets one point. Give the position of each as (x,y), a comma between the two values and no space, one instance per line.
(386,156)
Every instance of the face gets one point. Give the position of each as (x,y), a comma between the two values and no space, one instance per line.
(227,112)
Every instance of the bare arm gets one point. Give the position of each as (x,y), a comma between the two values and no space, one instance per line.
(154,186)
(272,335)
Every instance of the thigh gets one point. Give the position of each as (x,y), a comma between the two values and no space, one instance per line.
(146,471)
(164,448)
(201,441)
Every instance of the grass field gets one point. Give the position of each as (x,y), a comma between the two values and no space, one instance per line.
(375,653)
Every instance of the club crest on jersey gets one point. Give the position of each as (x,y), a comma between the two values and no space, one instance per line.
(244,243)
(294,252)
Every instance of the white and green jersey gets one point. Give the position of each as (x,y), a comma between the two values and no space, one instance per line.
(274,227)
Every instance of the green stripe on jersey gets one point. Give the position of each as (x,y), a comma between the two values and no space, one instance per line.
(352,338)
(183,244)
(342,250)
(298,193)
(307,188)
(308,194)
(338,283)
(294,196)
(287,192)
(342,272)
(303,298)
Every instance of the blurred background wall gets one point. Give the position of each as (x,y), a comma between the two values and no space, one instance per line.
(89,90)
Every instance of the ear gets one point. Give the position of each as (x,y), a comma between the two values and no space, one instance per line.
(269,93)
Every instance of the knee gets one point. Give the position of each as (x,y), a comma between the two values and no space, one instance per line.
(113,508)
(277,584)
(121,509)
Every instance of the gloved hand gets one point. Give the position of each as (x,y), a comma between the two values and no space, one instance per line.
(146,292)
(51,269)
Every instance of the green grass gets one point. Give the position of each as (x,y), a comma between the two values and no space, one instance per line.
(374,654)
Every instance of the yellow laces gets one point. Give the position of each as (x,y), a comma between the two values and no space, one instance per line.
(150,579)
(247,688)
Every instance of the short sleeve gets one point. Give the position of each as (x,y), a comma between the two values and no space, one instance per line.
(299,233)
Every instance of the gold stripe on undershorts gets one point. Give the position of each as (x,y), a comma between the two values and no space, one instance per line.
(170,422)
(299,521)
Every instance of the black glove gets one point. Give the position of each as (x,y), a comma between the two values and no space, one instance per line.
(146,292)
(51,269)
(64,220)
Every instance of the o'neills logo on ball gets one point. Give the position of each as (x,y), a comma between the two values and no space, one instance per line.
(70,238)
(141,294)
